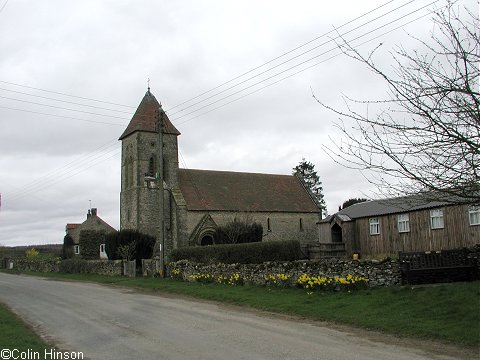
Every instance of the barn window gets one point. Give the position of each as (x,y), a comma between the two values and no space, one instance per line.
(403,223)
(301,224)
(474,215)
(436,219)
(76,249)
(374,226)
(269,226)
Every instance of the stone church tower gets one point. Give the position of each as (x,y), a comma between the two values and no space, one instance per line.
(141,168)
(196,202)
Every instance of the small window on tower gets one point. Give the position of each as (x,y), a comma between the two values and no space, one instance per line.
(151,167)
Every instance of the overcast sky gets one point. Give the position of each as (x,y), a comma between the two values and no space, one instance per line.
(73,72)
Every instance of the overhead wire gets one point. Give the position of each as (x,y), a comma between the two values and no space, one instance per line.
(293,67)
(307,61)
(65,101)
(54,178)
(65,94)
(295,73)
(296,56)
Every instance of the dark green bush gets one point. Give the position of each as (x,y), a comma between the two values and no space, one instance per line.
(89,242)
(67,249)
(251,253)
(143,244)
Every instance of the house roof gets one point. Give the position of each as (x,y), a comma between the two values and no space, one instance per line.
(239,191)
(389,206)
(72,226)
(145,119)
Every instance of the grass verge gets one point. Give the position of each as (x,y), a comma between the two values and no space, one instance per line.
(447,312)
(15,334)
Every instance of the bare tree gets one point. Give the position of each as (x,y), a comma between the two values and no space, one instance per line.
(426,136)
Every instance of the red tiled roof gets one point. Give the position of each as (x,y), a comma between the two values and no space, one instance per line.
(72,226)
(144,118)
(237,191)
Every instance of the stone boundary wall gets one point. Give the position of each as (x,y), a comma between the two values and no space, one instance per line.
(50,265)
(100,267)
(379,273)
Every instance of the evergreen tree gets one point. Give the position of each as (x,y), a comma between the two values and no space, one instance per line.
(351,202)
(305,170)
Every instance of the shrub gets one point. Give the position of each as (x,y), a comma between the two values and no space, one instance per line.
(31,254)
(238,232)
(252,253)
(143,244)
(90,241)
(67,249)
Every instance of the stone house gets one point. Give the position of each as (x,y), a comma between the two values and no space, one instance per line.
(413,223)
(93,222)
(197,201)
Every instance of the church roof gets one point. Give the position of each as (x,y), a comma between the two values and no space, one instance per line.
(237,191)
(144,118)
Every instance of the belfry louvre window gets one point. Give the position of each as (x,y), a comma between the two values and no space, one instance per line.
(151,167)
(403,223)
(436,219)
(474,215)
(374,226)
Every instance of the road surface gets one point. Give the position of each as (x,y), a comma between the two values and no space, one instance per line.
(105,322)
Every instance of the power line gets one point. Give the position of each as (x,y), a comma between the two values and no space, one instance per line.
(292,58)
(62,108)
(278,57)
(76,163)
(61,116)
(65,101)
(300,71)
(269,77)
(3,6)
(71,173)
(64,94)
(306,61)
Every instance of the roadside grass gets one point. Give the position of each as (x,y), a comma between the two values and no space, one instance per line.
(445,312)
(15,334)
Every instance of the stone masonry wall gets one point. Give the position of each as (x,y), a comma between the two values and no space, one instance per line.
(378,273)
(101,267)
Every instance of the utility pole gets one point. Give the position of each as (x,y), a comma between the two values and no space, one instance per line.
(159,180)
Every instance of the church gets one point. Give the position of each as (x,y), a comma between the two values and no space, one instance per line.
(195,202)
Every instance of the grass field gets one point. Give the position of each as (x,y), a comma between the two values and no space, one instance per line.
(14,334)
(447,312)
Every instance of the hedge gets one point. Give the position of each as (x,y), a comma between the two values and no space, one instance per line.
(251,253)
(90,241)
(144,243)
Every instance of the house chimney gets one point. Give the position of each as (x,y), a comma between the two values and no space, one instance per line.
(94,211)
(88,214)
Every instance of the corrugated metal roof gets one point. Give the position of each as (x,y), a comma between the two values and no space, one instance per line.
(239,191)
(390,206)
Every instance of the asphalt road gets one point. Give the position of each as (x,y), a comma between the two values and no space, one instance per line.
(106,322)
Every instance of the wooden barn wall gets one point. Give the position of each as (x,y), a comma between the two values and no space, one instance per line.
(457,232)
(324,232)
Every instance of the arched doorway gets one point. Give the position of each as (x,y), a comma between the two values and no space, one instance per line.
(206,240)
(336,233)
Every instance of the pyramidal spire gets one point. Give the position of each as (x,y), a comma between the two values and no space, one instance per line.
(145,118)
